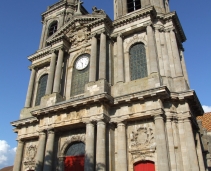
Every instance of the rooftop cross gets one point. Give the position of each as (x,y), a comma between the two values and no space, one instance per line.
(78,12)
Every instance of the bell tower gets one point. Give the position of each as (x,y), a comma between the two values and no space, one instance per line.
(123,7)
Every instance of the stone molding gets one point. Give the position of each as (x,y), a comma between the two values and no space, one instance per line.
(73,103)
(69,140)
(137,15)
(26,121)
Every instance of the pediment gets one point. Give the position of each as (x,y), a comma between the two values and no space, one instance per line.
(78,27)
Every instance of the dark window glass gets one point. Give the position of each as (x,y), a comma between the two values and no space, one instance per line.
(79,79)
(41,89)
(52,28)
(133,5)
(76,149)
(138,62)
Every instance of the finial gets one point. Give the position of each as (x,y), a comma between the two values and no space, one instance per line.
(78,12)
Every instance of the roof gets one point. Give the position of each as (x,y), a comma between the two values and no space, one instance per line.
(9,168)
(206,120)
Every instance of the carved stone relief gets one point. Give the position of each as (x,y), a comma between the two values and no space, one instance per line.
(141,141)
(78,35)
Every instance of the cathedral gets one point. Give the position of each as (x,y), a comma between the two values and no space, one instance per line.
(110,95)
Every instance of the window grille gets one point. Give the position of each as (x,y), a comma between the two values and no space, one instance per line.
(52,28)
(41,89)
(133,5)
(138,63)
(76,149)
(79,79)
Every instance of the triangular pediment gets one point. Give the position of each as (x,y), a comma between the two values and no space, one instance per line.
(78,24)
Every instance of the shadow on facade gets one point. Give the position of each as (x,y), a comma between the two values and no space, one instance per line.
(69,163)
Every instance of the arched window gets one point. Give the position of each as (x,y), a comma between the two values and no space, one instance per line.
(80,74)
(133,5)
(74,159)
(138,62)
(52,28)
(144,166)
(41,89)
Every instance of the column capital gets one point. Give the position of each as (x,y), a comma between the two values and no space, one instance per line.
(50,131)
(158,117)
(20,141)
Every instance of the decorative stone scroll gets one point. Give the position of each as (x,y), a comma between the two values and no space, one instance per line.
(142,144)
(30,154)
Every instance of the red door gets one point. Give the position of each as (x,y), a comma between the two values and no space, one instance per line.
(144,166)
(74,163)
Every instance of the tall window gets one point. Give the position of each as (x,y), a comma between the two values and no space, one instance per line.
(80,74)
(133,5)
(138,62)
(53,28)
(41,89)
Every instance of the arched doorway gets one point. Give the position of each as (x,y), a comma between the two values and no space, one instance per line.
(74,158)
(144,166)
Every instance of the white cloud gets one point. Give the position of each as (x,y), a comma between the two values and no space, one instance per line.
(206,108)
(7,154)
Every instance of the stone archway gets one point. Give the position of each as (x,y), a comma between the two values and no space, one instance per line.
(75,157)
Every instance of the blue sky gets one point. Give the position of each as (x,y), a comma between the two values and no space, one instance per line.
(20,31)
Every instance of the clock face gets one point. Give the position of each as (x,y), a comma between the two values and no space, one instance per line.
(82,62)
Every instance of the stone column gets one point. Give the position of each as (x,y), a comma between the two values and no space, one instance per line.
(165,55)
(184,150)
(93,60)
(101,146)
(61,164)
(190,141)
(19,156)
(161,146)
(30,88)
(199,152)
(120,59)
(102,60)
(121,148)
(89,148)
(40,152)
(176,56)
(42,35)
(184,66)
(51,74)
(49,151)
(58,72)
(152,51)
(169,132)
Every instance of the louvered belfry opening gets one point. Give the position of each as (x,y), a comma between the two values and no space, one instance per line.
(133,5)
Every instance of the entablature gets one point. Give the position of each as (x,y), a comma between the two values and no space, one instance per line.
(23,122)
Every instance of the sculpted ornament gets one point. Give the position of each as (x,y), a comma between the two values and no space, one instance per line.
(78,35)
(142,138)
(142,144)
(30,156)
(74,138)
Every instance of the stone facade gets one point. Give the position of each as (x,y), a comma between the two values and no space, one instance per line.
(122,121)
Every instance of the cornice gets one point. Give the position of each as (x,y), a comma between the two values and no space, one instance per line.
(52,8)
(26,121)
(178,26)
(133,15)
(82,19)
(40,53)
(162,92)
(73,103)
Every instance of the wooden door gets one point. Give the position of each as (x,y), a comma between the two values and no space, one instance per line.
(144,166)
(74,163)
